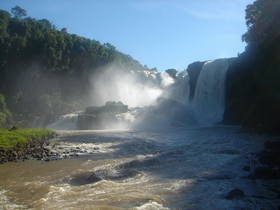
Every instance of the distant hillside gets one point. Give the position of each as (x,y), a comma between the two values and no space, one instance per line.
(44,70)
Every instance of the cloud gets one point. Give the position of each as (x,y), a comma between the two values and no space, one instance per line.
(217,10)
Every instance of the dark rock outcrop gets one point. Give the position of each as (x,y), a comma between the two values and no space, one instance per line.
(252,96)
(194,70)
(174,110)
(35,149)
(84,178)
(172,72)
(109,107)
(101,117)
(270,161)
(235,193)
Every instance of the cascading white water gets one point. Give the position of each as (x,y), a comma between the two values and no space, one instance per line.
(142,88)
(209,99)
(65,122)
(181,89)
(135,88)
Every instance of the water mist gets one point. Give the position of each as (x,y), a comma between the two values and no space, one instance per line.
(135,89)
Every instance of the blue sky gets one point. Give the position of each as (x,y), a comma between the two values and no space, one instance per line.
(158,33)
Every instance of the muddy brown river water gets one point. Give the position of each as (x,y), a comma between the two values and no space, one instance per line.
(179,168)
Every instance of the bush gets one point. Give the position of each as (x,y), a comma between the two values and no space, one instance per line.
(14,127)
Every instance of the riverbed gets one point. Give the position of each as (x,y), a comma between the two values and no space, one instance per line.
(175,168)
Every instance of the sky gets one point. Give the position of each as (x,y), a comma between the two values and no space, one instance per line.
(158,33)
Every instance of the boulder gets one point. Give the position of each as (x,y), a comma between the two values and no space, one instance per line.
(235,193)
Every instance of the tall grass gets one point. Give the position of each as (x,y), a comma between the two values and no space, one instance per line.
(12,138)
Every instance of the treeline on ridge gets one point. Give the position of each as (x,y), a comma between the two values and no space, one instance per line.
(45,71)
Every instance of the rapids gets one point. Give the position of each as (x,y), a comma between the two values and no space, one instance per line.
(176,168)
(151,165)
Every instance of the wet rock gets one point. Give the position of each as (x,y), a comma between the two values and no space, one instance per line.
(272,145)
(235,193)
(267,173)
(84,178)
(246,168)
(34,149)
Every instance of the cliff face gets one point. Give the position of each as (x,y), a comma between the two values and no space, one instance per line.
(194,70)
(252,92)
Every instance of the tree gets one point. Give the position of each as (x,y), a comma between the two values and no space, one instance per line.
(5,114)
(18,12)
(263,23)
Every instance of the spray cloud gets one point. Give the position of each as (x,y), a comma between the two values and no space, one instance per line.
(133,88)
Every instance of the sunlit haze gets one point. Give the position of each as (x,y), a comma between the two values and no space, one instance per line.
(162,34)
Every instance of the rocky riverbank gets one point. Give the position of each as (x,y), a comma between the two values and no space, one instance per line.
(35,149)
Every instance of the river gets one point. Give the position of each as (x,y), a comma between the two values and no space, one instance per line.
(177,168)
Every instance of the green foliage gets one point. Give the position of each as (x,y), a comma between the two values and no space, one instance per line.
(18,12)
(5,114)
(11,139)
(34,133)
(15,127)
(45,70)
(53,104)
(263,23)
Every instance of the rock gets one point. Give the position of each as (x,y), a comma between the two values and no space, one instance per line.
(84,178)
(235,193)
(246,168)
(174,110)
(15,154)
(33,149)
(194,70)
(172,73)
(272,145)
(267,173)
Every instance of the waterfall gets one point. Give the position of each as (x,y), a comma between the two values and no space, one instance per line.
(209,98)
(140,89)
(181,90)
(65,122)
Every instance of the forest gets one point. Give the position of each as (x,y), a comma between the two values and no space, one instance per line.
(44,71)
